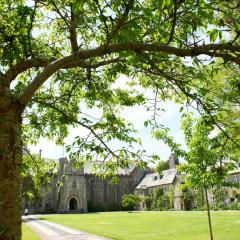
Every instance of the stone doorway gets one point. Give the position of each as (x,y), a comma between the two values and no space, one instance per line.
(73,204)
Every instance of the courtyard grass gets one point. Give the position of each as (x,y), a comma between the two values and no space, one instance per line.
(154,225)
(28,233)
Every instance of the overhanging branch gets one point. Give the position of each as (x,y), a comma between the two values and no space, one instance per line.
(76,60)
(21,67)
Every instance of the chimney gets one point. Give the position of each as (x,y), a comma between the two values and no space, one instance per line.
(173,160)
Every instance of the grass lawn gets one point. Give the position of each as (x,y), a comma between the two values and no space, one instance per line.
(28,233)
(154,225)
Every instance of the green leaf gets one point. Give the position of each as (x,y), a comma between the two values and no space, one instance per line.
(213,35)
(161,4)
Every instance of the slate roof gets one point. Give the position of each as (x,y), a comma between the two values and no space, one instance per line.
(89,168)
(154,179)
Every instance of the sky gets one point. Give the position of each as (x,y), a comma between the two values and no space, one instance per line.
(137,115)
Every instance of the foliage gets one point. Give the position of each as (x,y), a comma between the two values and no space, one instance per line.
(60,60)
(158,192)
(199,198)
(219,194)
(37,175)
(130,202)
(205,168)
(163,203)
(235,205)
(161,200)
(101,208)
(90,44)
(171,197)
(95,208)
(148,202)
(162,165)
(188,197)
(236,195)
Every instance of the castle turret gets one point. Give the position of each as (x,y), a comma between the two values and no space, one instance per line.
(173,161)
(62,162)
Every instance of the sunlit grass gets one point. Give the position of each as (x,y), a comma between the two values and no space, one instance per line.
(28,233)
(154,225)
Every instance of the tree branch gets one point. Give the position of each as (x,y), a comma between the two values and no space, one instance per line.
(73,32)
(75,60)
(74,120)
(121,20)
(174,21)
(21,67)
(193,97)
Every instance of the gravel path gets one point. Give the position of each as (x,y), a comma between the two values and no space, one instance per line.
(54,231)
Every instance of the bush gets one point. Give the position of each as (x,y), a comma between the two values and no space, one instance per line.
(235,205)
(130,202)
(95,207)
(222,205)
(113,207)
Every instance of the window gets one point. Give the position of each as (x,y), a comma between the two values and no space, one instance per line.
(47,206)
(155,178)
(237,179)
(74,184)
(135,181)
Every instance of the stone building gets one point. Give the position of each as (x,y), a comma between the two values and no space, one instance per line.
(169,179)
(80,190)
(232,194)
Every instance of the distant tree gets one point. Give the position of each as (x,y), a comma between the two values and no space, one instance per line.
(37,174)
(162,165)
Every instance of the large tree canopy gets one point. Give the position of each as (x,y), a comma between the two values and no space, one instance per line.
(57,57)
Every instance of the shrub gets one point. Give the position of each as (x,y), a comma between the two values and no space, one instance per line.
(163,202)
(219,194)
(95,207)
(235,205)
(200,199)
(130,202)
(113,207)
(188,197)
(148,202)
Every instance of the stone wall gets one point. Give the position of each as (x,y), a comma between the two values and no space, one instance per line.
(104,194)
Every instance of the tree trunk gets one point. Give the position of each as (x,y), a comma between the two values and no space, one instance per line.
(209,215)
(10,163)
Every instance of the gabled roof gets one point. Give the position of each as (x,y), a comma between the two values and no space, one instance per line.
(154,179)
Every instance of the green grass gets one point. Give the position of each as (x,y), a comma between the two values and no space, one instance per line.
(154,225)
(28,233)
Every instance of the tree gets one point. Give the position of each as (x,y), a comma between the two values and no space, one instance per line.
(162,165)
(55,55)
(205,168)
(37,174)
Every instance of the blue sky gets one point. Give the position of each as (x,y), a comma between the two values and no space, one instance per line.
(137,114)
